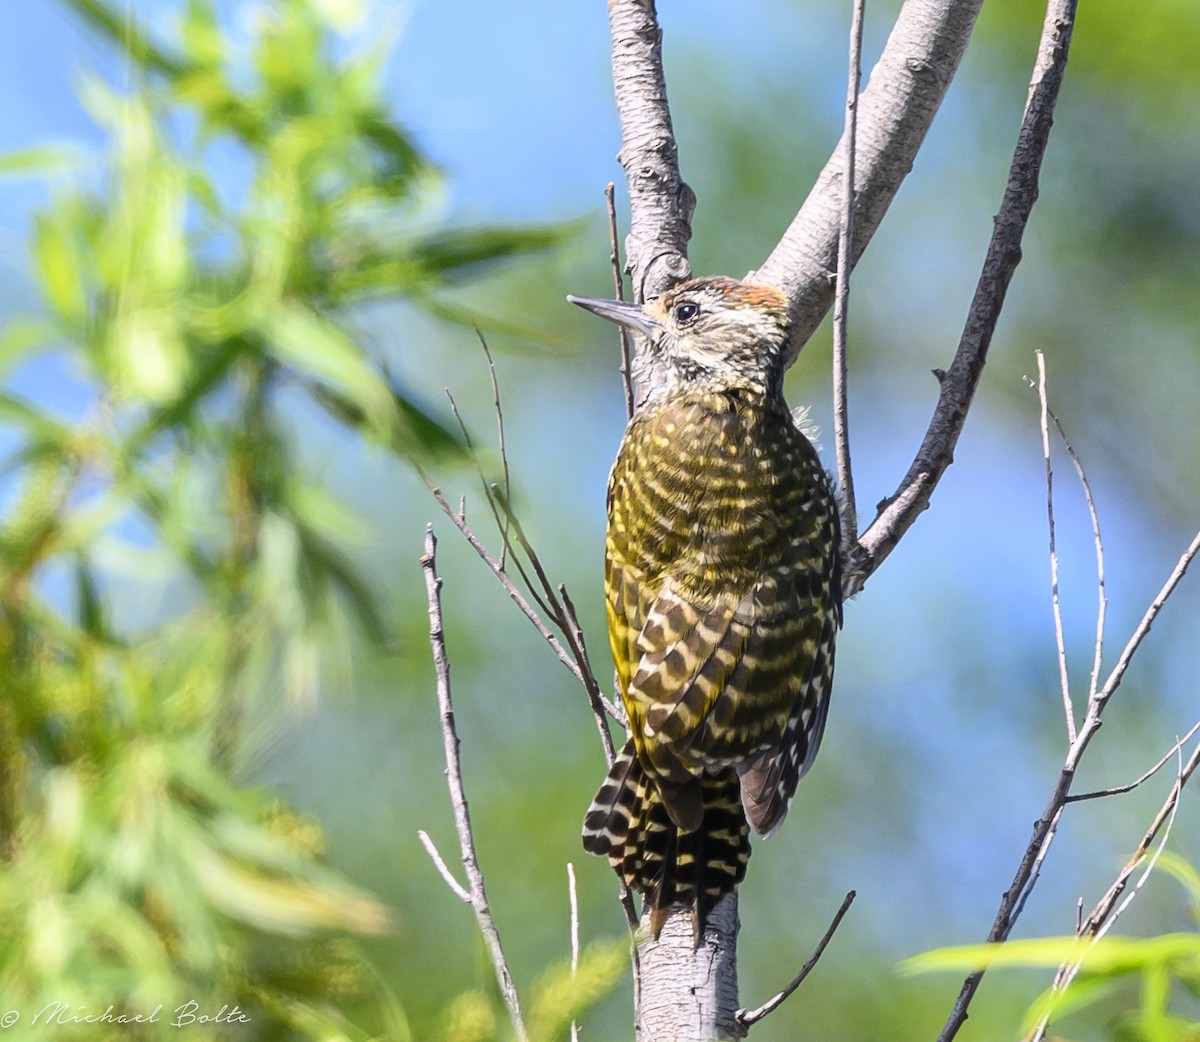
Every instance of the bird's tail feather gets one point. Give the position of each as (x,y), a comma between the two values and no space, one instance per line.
(629,824)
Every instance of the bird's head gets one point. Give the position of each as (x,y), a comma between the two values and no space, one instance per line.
(712,333)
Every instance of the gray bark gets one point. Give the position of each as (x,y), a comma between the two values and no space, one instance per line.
(895,111)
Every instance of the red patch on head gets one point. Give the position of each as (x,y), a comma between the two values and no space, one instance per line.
(738,293)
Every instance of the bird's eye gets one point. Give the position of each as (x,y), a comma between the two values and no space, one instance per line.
(685,313)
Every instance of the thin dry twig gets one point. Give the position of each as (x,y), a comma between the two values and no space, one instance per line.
(499,409)
(1143,628)
(1129,787)
(557,606)
(747,1018)
(554,606)
(568,625)
(462,509)
(1059,637)
(573,900)
(1105,906)
(896,109)
(1012,902)
(602,708)
(1097,539)
(459,521)
(458,797)
(841,300)
(459,890)
(614,257)
(1107,910)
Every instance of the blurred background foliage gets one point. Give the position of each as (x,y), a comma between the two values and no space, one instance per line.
(233,235)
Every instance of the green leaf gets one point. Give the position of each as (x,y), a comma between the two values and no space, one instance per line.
(312,345)
(19,339)
(283,905)
(1186,874)
(562,995)
(119,27)
(337,568)
(400,160)
(456,252)
(60,269)
(1082,992)
(420,434)
(92,617)
(1107,955)
(19,413)
(43,160)
(414,433)
(200,34)
(206,374)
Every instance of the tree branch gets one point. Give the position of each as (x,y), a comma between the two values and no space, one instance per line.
(1118,790)
(906,89)
(1102,917)
(749,1017)
(1056,604)
(1004,253)
(841,303)
(462,818)
(660,203)
(1012,902)
(614,258)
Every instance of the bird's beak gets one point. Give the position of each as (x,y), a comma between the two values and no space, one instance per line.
(622,313)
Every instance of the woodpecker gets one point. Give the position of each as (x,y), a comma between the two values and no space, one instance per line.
(723,589)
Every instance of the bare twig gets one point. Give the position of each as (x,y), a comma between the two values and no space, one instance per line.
(556,607)
(459,521)
(458,797)
(1097,539)
(459,890)
(1105,906)
(614,257)
(1059,636)
(748,1018)
(573,899)
(1013,900)
(499,435)
(1107,910)
(960,380)
(462,509)
(1035,870)
(571,630)
(841,301)
(602,708)
(1120,789)
(1143,628)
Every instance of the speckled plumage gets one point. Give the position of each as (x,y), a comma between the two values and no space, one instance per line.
(723,597)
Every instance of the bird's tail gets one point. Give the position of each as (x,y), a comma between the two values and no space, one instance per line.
(629,824)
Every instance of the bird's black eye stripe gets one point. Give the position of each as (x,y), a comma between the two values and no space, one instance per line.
(686,312)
